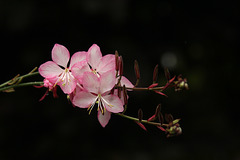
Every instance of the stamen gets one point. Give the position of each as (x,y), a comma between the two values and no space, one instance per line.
(92,105)
(90,108)
(110,105)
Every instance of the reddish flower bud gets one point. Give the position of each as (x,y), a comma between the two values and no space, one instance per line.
(141,125)
(152,118)
(161,128)
(158,92)
(153,85)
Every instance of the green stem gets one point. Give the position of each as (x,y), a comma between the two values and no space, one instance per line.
(17,79)
(21,85)
(15,82)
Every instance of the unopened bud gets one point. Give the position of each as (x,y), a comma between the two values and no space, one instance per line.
(174,131)
(181,84)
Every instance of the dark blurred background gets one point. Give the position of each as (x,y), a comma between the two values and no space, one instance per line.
(197,39)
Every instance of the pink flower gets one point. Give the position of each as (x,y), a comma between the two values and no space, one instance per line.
(52,71)
(96,89)
(100,64)
(95,63)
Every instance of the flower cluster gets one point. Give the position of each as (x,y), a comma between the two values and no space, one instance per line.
(92,80)
(89,79)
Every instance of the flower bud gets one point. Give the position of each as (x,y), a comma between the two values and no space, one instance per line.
(174,131)
(181,84)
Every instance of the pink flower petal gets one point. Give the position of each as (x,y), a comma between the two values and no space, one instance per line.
(112,103)
(84,99)
(60,55)
(107,63)
(122,95)
(50,69)
(94,56)
(104,119)
(126,82)
(91,82)
(107,81)
(69,86)
(77,57)
(78,70)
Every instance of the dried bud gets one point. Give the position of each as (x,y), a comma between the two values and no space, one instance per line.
(120,63)
(116,61)
(160,118)
(158,109)
(14,80)
(119,92)
(168,118)
(125,95)
(136,69)
(157,114)
(140,115)
(167,74)
(155,74)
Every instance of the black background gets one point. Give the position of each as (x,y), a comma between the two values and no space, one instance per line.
(203,37)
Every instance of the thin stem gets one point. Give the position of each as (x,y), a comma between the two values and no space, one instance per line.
(21,85)
(143,88)
(142,121)
(18,79)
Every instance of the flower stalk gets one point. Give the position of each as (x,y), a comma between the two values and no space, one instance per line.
(91,80)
